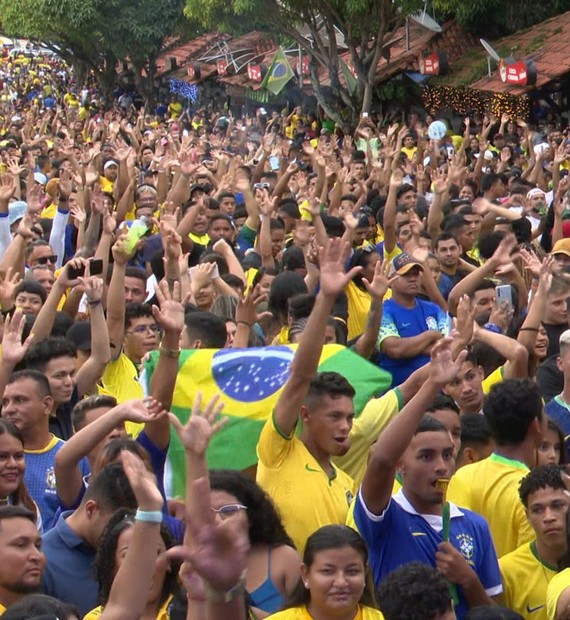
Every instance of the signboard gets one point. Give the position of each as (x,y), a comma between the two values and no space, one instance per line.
(254,73)
(433,64)
(520,72)
(222,66)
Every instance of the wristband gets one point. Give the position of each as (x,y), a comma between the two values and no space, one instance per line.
(175,353)
(149,516)
(220,596)
(491,327)
(94,303)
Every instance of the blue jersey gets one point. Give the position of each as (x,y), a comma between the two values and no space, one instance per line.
(401,535)
(558,411)
(405,323)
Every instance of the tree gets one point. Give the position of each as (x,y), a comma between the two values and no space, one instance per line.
(508,16)
(93,35)
(363,24)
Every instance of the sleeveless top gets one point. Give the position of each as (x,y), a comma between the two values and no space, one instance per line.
(267,597)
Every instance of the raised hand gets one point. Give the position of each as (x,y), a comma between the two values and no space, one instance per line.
(442,368)
(170,314)
(196,434)
(13,349)
(8,283)
(140,410)
(142,482)
(64,184)
(332,259)
(246,309)
(380,282)
(92,286)
(7,188)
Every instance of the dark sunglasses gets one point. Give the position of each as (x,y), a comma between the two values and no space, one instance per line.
(44,260)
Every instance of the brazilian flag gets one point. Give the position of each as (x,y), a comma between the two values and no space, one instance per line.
(279,73)
(249,382)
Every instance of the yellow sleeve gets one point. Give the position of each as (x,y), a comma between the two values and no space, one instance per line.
(94,613)
(558,584)
(458,490)
(273,446)
(495,377)
(366,429)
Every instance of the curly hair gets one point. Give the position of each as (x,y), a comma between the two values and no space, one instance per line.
(105,565)
(539,478)
(328,383)
(20,497)
(265,526)
(510,408)
(414,592)
(333,537)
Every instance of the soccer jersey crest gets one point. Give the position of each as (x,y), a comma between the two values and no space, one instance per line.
(466,545)
(431,323)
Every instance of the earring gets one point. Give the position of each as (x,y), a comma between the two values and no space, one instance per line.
(306,584)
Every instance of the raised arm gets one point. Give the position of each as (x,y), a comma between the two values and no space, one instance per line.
(137,569)
(91,372)
(68,475)
(306,360)
(389,221)
(379,477)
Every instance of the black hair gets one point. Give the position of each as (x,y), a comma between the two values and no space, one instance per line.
(36,605)
(510,408)
(276,223)
(555,428)
(17,512)
(42,352)
(487,244)
(105,565)
(293,258)
(284,286)
(474,430)
(213,257)
(136,272)
(84,406)
(36,376)
(538,478)
(455,223)
(414,591)
(262,271)
(111,489)
(137,310)
(32,287)
(264,523)
(291,208)
(206,327)
(301,306)
(331,384)
(334,226)
(225,194)
(21,496)
(444,236)
(428,424)
(404,189)
(234,281)
(488,181)
(332,537)
(221,216)
(443,401)
(492,612)
(484,285)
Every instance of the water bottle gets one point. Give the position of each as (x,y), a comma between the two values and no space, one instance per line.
(137,231)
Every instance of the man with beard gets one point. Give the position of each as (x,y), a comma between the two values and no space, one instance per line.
(21,558)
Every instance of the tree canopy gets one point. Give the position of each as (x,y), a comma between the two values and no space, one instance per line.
(363,25)
(95,34)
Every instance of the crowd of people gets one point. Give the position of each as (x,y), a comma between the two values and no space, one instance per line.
(444,261)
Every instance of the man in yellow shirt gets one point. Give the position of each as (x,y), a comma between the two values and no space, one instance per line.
(528,570)
(296,471)
(513,409)
(21,559)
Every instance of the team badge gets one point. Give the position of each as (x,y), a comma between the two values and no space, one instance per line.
(466,545)
(50,479)
(431,323)
(349,497)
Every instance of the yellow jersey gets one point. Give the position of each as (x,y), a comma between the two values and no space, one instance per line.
(359,302)
(557,585)
(163,613)
(2,609)
(493,378)
(366,429)
(525,581)
(302,613)
(491,488)
(306,497)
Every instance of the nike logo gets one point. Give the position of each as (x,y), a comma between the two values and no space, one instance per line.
(531,610)
(406,324)
(419,534)
(318,471)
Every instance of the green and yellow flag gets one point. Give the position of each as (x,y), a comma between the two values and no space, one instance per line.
(279,73)
(249,382)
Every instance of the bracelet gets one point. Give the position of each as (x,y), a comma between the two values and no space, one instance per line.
(149,516)
(529,329)
(243,323)
(174,353)
(220,596)
(492,327)
(94,303)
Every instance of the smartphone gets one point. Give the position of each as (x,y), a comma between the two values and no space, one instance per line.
(504,293)
(96,266)
(274,163)
(75,272)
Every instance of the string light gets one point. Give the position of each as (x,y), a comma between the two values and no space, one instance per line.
(467,100)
